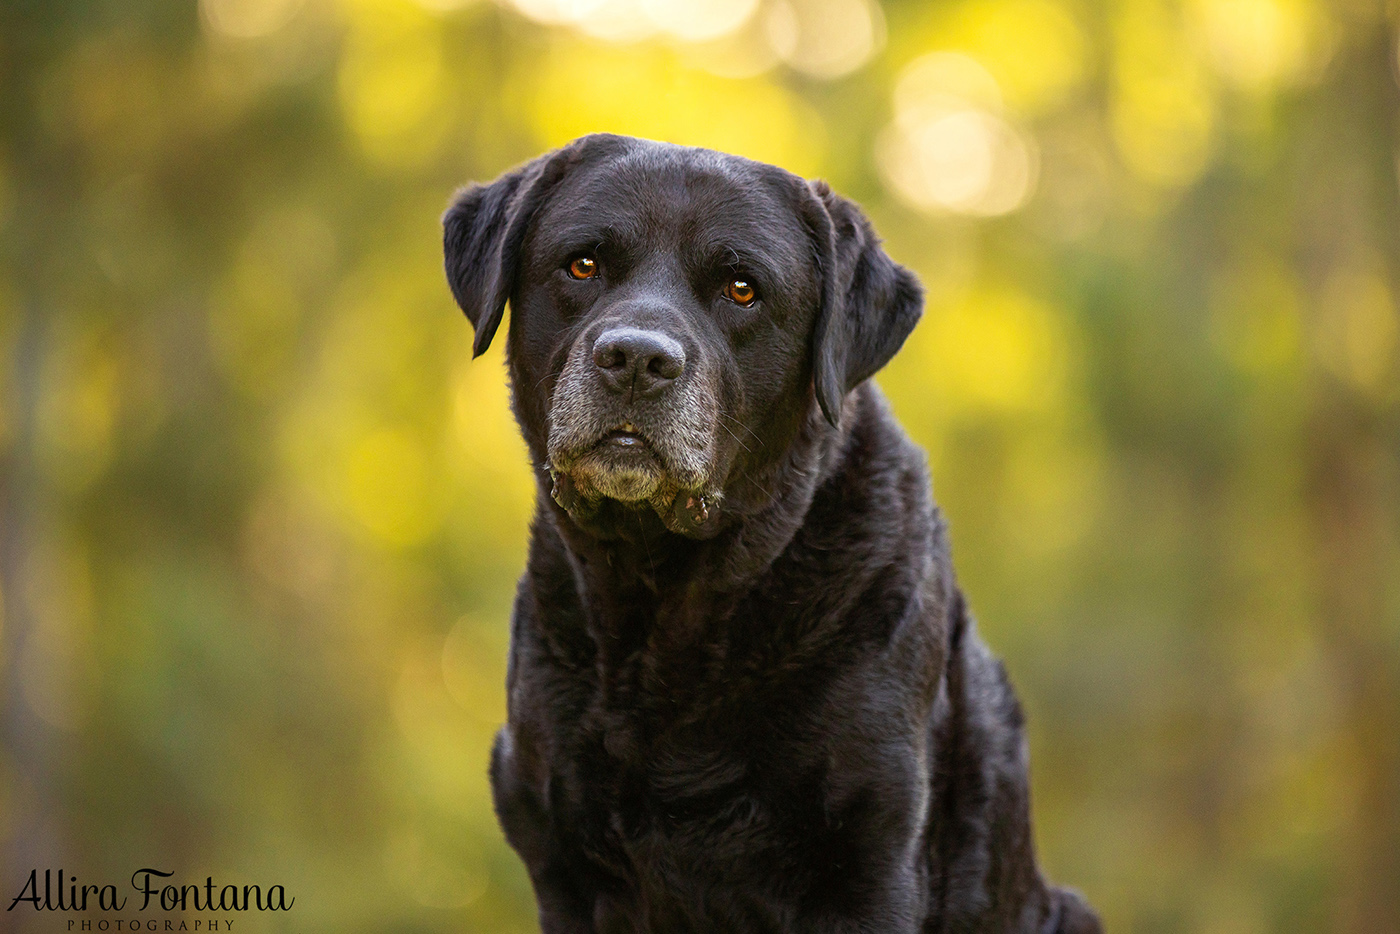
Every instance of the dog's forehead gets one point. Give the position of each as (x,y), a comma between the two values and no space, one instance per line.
(659,194)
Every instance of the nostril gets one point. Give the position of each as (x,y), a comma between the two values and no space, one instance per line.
(636,360)
(609,357)
(664,366)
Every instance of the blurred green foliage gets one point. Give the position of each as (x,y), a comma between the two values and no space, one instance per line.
(261,517)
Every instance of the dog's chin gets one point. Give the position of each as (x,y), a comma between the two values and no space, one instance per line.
(607,471)
(629,472)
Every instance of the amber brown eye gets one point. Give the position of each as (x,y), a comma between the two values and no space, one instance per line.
(741,292)
(584,267)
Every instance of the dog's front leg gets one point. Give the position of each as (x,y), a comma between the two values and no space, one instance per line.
(561,909)
(881,888)
(564,898)
(901,914)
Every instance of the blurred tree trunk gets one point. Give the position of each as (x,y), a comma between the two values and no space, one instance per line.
(31,747)
(1356,492)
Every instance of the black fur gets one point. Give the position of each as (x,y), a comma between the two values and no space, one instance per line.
(772,714)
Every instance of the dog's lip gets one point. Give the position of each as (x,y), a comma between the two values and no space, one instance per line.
(623,443)
(625,435)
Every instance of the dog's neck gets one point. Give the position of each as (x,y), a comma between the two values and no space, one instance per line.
(647,572)
(667,615)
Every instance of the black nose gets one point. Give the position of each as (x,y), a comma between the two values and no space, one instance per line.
(637,361)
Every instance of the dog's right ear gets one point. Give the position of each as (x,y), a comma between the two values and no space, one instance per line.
(869,302)
(482,233)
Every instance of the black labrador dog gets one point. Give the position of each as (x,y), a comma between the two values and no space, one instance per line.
(745,694)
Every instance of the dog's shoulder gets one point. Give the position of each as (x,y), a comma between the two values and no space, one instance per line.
(874,512)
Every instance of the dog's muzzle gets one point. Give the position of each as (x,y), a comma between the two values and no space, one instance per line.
(633,419)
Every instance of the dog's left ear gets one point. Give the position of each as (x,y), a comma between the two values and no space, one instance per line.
(482,233)
(869,303)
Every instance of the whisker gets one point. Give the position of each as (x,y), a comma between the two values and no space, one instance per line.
(749,477)
(751,432)
(735,437)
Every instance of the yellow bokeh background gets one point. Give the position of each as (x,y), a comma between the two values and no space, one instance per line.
(261,514)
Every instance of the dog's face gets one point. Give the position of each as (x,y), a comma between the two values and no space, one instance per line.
(677,316)
(666,304)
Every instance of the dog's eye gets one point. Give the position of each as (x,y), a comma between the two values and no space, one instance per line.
(741,292)
(583,267)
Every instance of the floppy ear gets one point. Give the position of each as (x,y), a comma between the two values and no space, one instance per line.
(481,236)
(869,303)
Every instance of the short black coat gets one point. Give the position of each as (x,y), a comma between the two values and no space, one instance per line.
(779,719)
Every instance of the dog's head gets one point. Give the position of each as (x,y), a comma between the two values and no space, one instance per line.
(677,315)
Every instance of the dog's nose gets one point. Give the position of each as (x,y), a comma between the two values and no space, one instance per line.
(636,360)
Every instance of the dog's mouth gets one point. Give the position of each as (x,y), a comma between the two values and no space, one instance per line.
(628,453)
(621,464)
(626,438)
(625,465)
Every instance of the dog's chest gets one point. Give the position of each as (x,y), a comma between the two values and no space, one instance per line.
(693,747)
(687,793)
